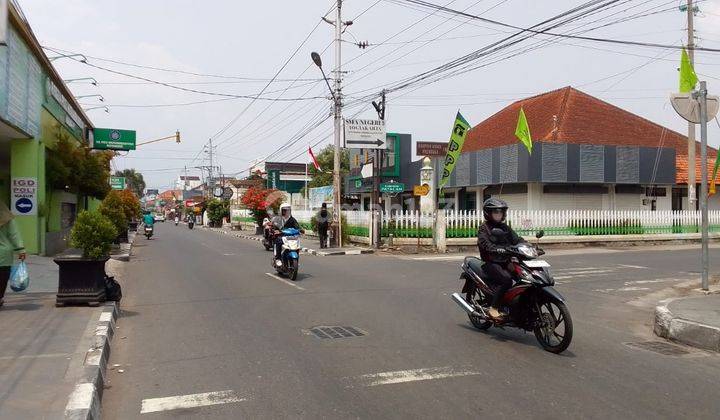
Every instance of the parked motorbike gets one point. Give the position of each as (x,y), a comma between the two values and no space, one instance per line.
(267,234)
(532,304)
(289,261)
(148,231)
(191,223)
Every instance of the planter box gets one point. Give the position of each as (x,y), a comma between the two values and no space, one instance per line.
(81,280)
(122,237)
(133,226)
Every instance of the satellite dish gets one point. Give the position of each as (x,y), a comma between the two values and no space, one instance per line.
(689,108)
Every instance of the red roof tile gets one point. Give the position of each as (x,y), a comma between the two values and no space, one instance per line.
(568,115)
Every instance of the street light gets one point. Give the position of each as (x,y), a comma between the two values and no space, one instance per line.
(91,96)
(82,60)
(93,82)
(97,107)
(337,111)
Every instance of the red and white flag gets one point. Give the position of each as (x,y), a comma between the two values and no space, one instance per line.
(314,160)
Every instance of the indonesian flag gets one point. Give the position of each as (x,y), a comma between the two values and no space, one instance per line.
(314,161)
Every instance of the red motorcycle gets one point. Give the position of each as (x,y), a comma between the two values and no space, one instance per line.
(532,304)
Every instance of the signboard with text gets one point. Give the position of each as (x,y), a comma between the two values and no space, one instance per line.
(365,134)
(392,187)
(273,179)
(24,196)
(421,190)
(113,139)
(117,182)
(431,149)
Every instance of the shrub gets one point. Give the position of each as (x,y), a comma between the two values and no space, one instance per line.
(112,208)
(130,203)
(217,210)
(93,233)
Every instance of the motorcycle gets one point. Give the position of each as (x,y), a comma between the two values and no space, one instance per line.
(148,231)
(289,261)
(532,304)
(267,240)
(177,221)
(191,223)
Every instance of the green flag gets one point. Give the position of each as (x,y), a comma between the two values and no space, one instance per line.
(522,131)
(688,78)
(457,139)
(714,175)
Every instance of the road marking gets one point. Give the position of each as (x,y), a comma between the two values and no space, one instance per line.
(289,283)
(154,405)
(227,255)
(37,356)
(579,269)
(573,275)
(632,289)
(447,258)
(639,267)
(628,283)
(413,375)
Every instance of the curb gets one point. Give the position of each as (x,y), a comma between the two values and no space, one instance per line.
(684,331)
(84,402)
(126,248)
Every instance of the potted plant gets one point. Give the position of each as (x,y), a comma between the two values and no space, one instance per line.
(82,267)
(112,207)
(131,208)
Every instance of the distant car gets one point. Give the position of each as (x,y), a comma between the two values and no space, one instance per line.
(160,218)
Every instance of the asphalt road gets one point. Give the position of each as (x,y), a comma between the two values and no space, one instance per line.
(206,333)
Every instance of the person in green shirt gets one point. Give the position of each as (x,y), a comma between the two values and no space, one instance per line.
(10,243)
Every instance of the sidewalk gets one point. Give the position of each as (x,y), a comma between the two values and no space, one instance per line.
(691,320)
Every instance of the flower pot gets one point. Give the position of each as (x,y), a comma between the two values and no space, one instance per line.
(81,280)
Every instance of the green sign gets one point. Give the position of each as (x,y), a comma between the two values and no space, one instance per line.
(117,182)
(113,139)
(273,179)
(457,139)
(358,183)
(392,187)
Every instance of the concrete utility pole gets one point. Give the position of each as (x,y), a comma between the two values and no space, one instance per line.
(377,168)
(692,199)
(337,198)
(211,182)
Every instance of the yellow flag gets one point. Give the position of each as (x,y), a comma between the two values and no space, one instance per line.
(688,78)
(714,174)
(522,131)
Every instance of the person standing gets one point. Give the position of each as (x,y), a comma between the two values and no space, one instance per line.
(10,243)
(323,223)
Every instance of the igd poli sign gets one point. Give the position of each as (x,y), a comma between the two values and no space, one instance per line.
(24,196)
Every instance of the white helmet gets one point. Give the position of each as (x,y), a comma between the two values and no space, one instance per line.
(285,207)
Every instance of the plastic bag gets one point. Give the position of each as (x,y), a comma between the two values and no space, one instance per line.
(19,277)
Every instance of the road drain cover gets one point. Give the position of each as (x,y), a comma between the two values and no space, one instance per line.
(331,332)
(660,347)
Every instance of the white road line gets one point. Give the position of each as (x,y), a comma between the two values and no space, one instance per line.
(632,289)
(628,283)
(573,275)
(579,269)
(37,356)
(401,376)
(639,267)
(289,283)
(154,405)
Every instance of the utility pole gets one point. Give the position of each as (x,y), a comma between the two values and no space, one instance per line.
(211,182)
(337,217)
(692,199)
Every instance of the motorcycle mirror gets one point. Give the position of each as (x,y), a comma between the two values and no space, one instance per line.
(497,232)
(540,234)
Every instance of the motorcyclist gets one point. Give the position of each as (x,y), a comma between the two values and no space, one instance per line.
(493,250)
(148,219)
(284,220)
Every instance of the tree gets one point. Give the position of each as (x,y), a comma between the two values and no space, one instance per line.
(326,159)
(258,200)
(134,180)
(78,169)
(112,208)
(217,210)
(131,205)
(95,172)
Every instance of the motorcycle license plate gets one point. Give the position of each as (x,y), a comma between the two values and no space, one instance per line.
(537,263)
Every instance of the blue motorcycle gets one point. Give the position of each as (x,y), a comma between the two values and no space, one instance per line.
(289,261)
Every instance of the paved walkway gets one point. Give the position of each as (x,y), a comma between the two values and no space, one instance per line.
(43,347)
(702,309)
(691,320)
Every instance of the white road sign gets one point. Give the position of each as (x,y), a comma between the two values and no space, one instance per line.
(24,196)
(367,170)
(365,134)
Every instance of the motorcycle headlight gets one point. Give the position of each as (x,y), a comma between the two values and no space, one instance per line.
(528,251)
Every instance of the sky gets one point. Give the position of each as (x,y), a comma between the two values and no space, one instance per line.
(229,48)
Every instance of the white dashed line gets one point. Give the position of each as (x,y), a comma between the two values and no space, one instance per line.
(414,375)
(153,405)
(639,267)
(289,283)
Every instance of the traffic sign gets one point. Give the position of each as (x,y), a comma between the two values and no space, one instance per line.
(227,193)
(24,196)
(421,190)
(365,134)
(367,170)
(218,192)
(392,187)
(117,182)
(358,183)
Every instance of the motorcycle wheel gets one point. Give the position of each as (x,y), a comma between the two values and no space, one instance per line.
(293,270)
(554,315)
(480,323)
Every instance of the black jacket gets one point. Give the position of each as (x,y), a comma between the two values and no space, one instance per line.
(488,243)
(291,223)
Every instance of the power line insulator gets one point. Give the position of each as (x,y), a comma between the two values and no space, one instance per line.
(363,44)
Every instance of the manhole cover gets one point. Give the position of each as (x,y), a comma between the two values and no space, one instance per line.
(660,347)
(331,332)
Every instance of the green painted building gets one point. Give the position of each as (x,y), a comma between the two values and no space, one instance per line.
(36,109)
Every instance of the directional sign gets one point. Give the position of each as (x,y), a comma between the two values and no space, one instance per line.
(227,193)
(365,134)
(392,187)
(421,190)
(24,196)
(117,182)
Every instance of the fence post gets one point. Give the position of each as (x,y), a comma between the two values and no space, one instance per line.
(439,231)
